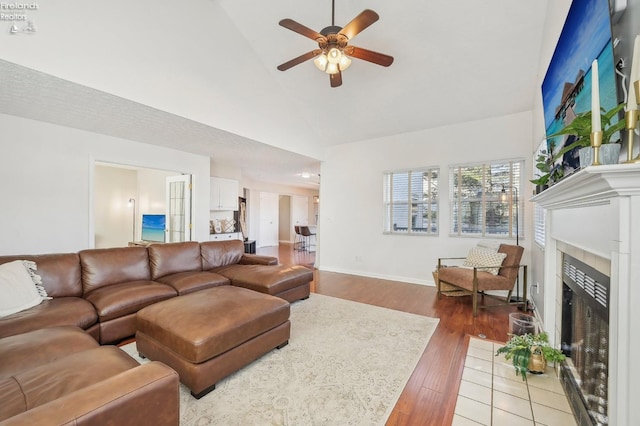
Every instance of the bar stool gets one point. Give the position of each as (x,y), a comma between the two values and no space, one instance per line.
(298,242)
(307,234)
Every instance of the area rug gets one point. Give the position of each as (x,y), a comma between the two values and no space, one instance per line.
(346,364)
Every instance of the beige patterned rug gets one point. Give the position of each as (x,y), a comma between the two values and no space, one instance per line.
(346,364)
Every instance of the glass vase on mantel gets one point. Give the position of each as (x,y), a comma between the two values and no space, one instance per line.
(609,154)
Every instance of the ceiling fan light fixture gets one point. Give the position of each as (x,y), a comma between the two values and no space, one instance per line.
(344,63)
(334,55)
(332,68)
(321,62)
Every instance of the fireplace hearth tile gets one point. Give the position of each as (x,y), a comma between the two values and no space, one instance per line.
(487,355)
(511,387)
(478,364)
(458,420)
(477,377)
(471,409)
(550,399)
(492,394)
(550,416)
(476,392)
(546,381)
(506,372)
(512,404)
(504,418)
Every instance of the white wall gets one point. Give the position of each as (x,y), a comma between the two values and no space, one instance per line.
(351,212)
(47,178)
(113,216)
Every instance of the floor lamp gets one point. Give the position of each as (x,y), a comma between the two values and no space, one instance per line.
(504,197)
(132,203)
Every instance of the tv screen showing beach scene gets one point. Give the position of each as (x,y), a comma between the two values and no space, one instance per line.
(566,89)
(153,226)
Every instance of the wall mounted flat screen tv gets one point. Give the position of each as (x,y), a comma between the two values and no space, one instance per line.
(153,226)
(566,89)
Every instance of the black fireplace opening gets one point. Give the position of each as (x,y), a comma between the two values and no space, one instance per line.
(585,341)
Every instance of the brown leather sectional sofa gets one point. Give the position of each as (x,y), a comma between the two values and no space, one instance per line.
(97,292)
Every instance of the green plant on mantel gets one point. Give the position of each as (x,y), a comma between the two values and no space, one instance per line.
(521,348)
(581,128)
(550,173)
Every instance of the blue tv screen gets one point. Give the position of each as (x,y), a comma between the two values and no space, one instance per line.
(566,89)
(153,226)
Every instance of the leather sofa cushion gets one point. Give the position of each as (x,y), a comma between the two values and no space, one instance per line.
(58,311)
(103,267)
(145,395)
(172,258)
(220,253)
(188,282)
(202,325)
(39,347)
(37,386)
(118,300)
(60,273)
(267,279)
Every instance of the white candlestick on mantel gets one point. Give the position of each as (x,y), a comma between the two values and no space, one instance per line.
(596,125)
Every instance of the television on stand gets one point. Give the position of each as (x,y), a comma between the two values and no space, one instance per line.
(153,228)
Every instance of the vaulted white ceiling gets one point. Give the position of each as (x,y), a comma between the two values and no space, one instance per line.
(200,75)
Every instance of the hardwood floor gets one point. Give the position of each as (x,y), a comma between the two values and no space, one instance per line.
(429,397)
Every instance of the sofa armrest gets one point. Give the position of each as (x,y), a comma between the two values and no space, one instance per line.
(257,259)
(148,394)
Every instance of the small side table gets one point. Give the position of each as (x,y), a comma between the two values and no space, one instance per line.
(250,246)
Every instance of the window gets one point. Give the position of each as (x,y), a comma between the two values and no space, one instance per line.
(539,230)
(485,199)
(411,202)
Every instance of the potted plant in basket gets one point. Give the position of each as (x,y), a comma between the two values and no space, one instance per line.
(530,353)
(580,127)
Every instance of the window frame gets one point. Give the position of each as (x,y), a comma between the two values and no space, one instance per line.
(433,197)
(489,194)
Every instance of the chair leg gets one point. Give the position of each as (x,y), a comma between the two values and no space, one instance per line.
(475,296)
(524,283)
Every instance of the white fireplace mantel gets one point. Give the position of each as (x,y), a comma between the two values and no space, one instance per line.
(597,210)
(592,185)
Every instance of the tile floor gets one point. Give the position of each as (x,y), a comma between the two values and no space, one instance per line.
(491,394)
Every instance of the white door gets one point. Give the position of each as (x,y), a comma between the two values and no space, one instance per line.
(268,219)
(178,209)
(299,211)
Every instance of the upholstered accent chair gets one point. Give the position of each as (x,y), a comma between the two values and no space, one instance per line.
(477,279)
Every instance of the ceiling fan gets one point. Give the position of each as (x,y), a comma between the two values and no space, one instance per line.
(334,53)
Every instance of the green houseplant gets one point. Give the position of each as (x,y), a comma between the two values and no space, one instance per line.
(522,349)
(550,173)
(580,127)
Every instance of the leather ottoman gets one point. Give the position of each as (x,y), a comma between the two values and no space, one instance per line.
(290,283)
(209,334)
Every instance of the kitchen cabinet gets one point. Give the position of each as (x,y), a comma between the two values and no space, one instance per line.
(226,236)
(224,194)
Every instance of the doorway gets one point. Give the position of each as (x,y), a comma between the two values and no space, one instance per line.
(122,195)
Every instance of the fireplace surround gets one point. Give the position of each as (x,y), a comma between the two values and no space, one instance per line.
(594,216)
(584,333)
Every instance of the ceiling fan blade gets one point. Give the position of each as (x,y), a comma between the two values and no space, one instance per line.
(300,59)
(359,23)
(296,27)
(336,79)
(369,56)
